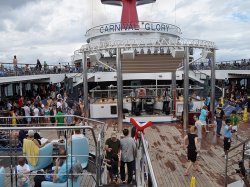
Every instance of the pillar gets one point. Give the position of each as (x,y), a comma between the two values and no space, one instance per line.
(174,92)
(186,87)
(212,102)
(119,89)
(21,88)
(85,84)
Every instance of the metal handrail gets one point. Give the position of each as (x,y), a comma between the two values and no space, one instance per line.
(243,143)
(151,170)
(97,142)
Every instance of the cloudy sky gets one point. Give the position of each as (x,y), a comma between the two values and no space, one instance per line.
(52,30)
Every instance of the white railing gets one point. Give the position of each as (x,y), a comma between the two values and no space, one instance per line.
(147,43)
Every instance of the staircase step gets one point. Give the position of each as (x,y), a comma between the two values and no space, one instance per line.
(120,185)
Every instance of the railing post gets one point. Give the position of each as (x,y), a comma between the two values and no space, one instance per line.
(119,89)
(186,87)
(212,87)
(225,183)
(85,84)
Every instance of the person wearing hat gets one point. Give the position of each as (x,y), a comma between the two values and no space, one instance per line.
(35,137)
(112,147)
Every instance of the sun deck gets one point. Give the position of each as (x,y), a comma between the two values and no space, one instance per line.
(169,159)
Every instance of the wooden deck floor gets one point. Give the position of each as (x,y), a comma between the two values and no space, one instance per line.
(169,158)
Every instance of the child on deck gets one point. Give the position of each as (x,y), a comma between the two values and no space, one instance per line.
(227,136)
(234,121)
(23,170)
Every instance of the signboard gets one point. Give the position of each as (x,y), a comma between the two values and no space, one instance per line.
(141,26)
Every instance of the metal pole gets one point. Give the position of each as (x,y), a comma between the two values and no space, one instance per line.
(225,182)
(174,92)
(119,89)
(21,88)
(156,85)
(186,86)
(85,84)
(212,102)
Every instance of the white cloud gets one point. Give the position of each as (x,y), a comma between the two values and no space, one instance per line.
(52,30)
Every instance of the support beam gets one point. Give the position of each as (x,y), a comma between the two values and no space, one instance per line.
(174,93)
(21,88)
(85,84)
(212,102)
(119,89)
(186,87)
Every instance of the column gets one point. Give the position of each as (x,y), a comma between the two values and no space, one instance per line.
(186,87)
(212,102)
(85,84)
(119,89)
(21,88)
(174,92)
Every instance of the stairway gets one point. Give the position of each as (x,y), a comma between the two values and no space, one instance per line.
(78,79)
(151,64)
(119,185)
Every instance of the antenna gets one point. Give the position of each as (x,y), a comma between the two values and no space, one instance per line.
(92,10)
(175,12)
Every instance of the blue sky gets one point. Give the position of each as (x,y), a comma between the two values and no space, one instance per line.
(53,30)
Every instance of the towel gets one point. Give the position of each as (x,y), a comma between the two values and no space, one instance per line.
(31,149)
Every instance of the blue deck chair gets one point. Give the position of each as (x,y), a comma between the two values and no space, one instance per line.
(2,176)
(43,162)
(80,146)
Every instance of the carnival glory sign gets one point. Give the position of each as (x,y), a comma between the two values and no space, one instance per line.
(142,26)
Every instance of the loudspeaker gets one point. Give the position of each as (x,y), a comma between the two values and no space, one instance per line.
(94,57)
(178,53)
(137,112)
(113,109)
(128,55)
(167,111)
(206,54)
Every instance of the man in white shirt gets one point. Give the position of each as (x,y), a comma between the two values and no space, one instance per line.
(36,114)
(27,113)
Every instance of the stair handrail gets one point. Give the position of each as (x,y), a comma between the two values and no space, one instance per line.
(243,143)
(106,65)
(196,70)
(148,160)
(189,63)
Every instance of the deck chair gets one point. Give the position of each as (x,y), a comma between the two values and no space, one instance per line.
(76,183)
(80,146)
(42,162)
(2,176)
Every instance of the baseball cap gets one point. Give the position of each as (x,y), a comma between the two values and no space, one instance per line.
(113,134)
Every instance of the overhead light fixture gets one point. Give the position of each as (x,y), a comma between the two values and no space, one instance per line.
(94,57)
(168,51)
(162,51)
(128,55)
(136,52)
(191,51)
(178,52)
(155,51)
(110,54)
(206,54)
